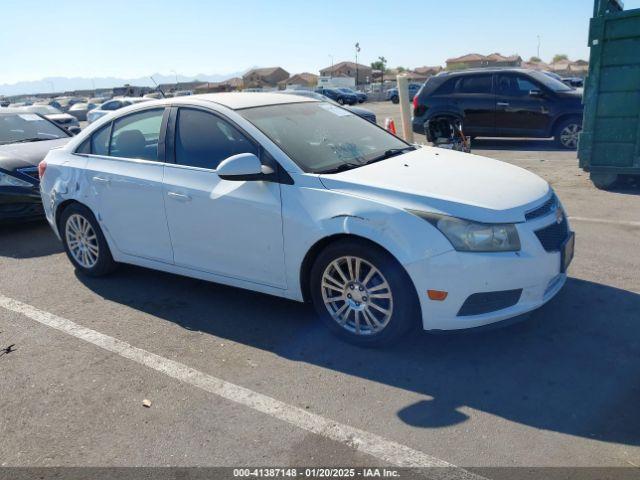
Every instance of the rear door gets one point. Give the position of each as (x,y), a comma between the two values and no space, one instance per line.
(229,228)
(125,169)
(474,97)
(518,112)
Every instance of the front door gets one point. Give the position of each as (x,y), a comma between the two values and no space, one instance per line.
(125,172)
(518,112)
(230,228)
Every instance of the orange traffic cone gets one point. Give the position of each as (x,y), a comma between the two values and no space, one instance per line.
(390,125)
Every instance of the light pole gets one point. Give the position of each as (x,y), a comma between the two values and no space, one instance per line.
(538,46)
(331,71)
(357,51)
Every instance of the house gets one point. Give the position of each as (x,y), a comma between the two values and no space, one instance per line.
(176,87)
(568,68)
(349,69)
(264,77)
(475,60)
(229,85)
(300,80)
(422,74)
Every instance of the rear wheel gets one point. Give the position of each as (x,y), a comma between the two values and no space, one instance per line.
(363,294)
(603,181)
(341,101)
(567,133)
(395,99)
(84,242)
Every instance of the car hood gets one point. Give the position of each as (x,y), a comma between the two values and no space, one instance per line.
(20,155)
(447,182)
(60,116)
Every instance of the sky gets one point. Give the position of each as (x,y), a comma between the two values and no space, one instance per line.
(88,38)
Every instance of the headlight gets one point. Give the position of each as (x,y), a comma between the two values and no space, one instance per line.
(468,236)
(11,181)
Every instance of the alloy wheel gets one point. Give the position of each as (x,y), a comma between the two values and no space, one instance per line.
(569,135)
(82,241)
(357,295)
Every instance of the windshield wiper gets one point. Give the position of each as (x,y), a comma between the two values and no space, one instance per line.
(33,139)
(392,152)
(343,167)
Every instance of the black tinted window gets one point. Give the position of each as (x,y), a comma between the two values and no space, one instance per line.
(204,140)
(111,105)
(447,87)
(137,135)
(100,141)
(475,84)
(515,85)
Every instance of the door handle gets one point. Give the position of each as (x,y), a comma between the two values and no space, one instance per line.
(503,104)
(101,179)
(179,196)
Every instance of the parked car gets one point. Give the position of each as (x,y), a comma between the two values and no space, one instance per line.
(379,235)
(65,120)
(4,103)
(65,103)
(343,98)
(392,93)
(361,112)
(502,103)
(80,110)
(111,105)
(25,139)
(361,96)
(182,93)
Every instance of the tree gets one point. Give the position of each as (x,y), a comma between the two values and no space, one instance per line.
(535,60)
(400,69)
(559,57)
(380,64)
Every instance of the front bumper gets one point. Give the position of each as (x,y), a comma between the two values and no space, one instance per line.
(462,274)
(20,204)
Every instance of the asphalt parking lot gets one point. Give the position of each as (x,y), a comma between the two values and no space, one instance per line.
(560,389)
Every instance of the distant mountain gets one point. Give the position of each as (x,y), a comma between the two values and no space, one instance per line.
(64,84)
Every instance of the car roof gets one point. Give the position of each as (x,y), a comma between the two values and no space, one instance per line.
(470,71)
(240,100)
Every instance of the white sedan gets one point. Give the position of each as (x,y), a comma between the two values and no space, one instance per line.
(302,199)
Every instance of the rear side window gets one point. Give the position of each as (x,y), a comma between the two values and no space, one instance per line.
(204,140)
(475,84)
(137,135)
(447,88)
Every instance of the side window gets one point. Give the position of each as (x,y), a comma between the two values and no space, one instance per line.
(447,88)
(100,141)
(515,86)
(204,140)
(475,84)
(137,135)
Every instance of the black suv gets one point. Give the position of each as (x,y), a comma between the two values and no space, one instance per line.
(502,103)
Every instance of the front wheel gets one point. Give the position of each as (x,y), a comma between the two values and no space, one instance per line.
(395,99)
(567,133)
(363,294)
(84,242)
(341,101)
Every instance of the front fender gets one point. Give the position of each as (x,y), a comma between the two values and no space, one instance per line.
(312,213)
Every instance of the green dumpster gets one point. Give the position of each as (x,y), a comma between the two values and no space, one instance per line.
(609,144)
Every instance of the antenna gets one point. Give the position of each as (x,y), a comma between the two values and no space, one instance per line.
(157,87)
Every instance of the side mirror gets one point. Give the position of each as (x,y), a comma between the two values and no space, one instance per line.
(244,166)
(74,130)
(536,93)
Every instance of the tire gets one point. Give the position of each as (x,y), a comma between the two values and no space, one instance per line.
(603,181)
(566,133)
(369,327)
(395,99)
(341,101)
(84,242)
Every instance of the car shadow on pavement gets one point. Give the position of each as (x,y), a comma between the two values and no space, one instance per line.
(572,368)
(520,144)
(28,240)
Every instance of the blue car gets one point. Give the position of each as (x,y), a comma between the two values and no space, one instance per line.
(337,95)
(361,96)
(392,93)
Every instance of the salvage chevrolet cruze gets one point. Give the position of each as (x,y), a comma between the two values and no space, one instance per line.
(302,199)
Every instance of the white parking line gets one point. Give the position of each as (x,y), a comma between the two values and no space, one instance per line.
(369,443)
(605,221)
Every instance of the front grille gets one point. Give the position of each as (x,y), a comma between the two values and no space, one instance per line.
(486,302)
(553,236)
(547,207)
(30,172)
